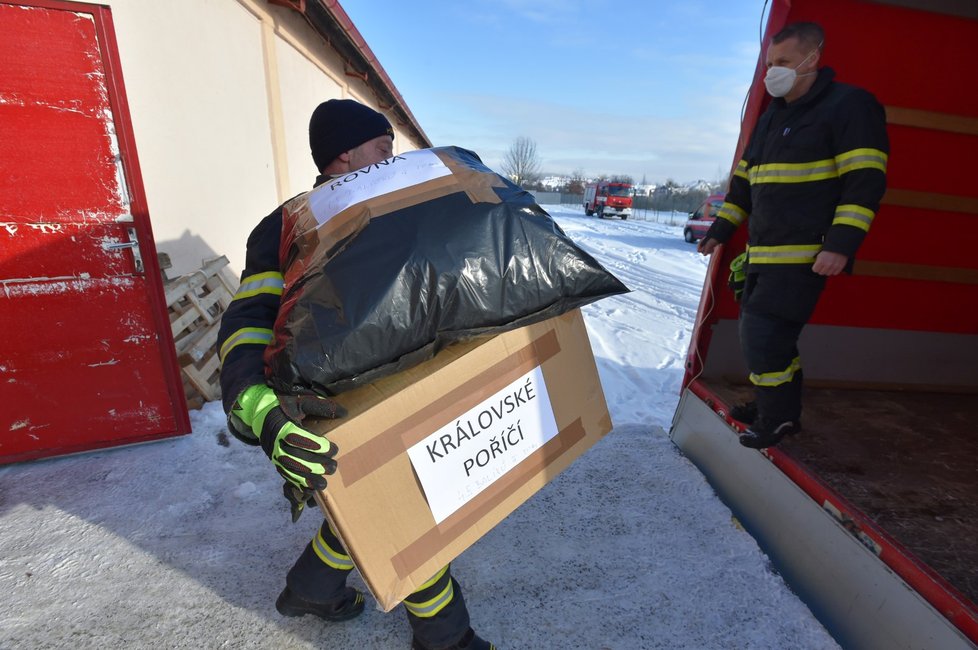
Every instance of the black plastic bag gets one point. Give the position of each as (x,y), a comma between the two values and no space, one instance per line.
(386,291)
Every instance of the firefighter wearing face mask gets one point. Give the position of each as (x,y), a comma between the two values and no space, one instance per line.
(810,181)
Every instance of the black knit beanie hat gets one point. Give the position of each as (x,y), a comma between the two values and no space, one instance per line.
(339,125)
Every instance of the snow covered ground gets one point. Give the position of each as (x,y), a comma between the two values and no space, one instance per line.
(185,543)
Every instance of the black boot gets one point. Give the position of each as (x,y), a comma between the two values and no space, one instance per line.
(767,433)
(746,412)
(348,606)
(469,641)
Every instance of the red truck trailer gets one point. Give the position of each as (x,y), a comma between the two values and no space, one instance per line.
(608,199)
(871,513)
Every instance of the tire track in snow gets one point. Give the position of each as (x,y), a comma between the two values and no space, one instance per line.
(640,338)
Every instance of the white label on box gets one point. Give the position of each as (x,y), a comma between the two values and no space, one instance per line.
(403,170)
(467,455)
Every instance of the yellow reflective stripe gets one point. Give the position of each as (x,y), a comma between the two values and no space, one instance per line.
(269,282)
(861,159)
(257,335)
(331,529)
(853,215)
(793,172)
(732,213)
(434,579)
(741,169)
(333,558)
(789,254)
(771,379)
(431,607)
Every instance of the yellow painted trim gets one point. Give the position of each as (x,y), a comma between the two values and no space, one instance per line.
(931,120)
(930,201)
(276,118)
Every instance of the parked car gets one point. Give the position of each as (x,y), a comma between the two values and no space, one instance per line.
(701,220)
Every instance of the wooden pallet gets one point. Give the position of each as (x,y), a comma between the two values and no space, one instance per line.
(196,302)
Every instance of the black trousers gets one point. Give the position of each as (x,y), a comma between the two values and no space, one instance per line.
(436,611)
(774,308)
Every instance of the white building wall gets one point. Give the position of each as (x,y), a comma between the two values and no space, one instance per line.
(220,93)
(304,86)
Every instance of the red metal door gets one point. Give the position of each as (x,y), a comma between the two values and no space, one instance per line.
(87,356)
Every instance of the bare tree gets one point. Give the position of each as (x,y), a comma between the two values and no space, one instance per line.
(722,181)
(576,183)
(522,162)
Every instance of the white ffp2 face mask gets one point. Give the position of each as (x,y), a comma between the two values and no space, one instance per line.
(779,80)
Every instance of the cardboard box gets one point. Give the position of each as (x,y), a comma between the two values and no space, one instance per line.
(430,459)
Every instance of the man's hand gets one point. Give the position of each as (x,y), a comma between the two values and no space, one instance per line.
(302,457)
(707,245)
(829,263)
(297,498)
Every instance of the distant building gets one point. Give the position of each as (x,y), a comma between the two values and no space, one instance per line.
(554,183)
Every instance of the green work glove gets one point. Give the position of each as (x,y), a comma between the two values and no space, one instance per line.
(302,457)
(738,275)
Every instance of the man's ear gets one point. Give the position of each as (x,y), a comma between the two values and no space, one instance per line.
(817,57)
(339,164)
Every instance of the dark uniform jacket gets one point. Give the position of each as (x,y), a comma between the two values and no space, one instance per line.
(811,178)
(248,323)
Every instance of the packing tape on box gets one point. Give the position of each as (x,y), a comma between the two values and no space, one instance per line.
(423,548)
(315,242)
(383,448)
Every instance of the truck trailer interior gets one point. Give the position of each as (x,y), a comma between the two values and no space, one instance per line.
(888,455)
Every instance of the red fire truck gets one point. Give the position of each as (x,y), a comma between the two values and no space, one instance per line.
(608,199)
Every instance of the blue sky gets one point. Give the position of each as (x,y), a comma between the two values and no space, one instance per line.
(649,89)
